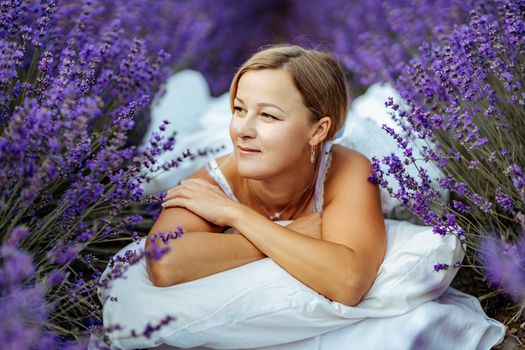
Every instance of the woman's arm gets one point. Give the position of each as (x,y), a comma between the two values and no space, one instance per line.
(201,251)
(200,254)
(344,264)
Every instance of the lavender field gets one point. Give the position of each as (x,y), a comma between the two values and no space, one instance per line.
(78,81)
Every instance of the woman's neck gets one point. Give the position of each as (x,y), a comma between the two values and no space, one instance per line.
(284,192)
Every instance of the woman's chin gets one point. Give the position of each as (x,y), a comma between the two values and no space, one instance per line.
(252,171)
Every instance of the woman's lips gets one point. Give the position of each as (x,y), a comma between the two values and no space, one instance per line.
(244,151)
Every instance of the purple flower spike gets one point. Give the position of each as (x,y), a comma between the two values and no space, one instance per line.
(17,266)
(17,235)
(56,277)
(505,265)
(440,266)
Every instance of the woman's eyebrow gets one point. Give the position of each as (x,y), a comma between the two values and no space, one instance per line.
(262,104)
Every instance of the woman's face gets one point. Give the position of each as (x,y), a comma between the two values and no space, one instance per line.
(270,127)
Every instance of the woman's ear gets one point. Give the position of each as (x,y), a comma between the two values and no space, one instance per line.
(320,131)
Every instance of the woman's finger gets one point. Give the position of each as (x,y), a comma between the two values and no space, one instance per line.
(173,188)
(180,191)
(176,202)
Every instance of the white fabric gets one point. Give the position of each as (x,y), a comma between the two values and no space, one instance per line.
(215,172)
(260,305)
(201,123)
(453,321)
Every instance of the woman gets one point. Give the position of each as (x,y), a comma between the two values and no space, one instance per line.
(287,103)
(285,193)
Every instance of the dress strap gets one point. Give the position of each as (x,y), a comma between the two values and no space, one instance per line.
(216,173)
(324,164)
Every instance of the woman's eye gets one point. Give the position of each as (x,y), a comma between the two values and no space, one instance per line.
(268,116)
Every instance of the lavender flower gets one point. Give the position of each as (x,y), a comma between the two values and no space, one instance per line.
(76,82)
(237,27)
(505,265)
(461,93)
(23,299)
(149,329)
(440,266)
(361,33)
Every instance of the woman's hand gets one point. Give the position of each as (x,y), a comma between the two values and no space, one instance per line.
(310,225)
(202,198)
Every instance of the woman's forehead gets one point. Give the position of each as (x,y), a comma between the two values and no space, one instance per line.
(270,86)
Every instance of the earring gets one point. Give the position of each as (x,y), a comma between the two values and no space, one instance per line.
(312,154)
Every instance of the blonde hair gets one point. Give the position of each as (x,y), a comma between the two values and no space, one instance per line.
(317,75)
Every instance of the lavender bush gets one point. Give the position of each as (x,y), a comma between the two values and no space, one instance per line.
(74,82)
(463,95)
(373,38)
(237,28)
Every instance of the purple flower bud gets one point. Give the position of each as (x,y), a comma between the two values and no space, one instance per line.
(55,277)
(18,234)
(16,267)
(64,253)
(440,266)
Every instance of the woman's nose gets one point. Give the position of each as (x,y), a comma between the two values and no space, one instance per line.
(246,126)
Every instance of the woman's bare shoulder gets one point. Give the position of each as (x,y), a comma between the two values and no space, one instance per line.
(347,166)
(345,159)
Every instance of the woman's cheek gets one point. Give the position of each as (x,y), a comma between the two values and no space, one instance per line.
(232,128)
